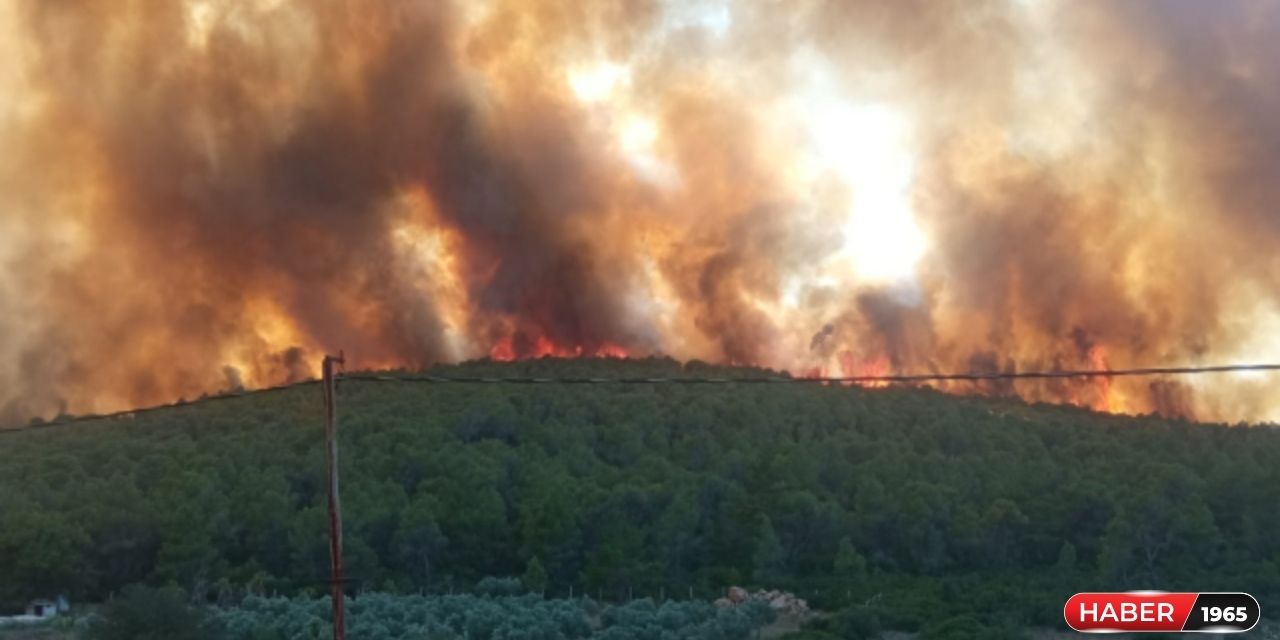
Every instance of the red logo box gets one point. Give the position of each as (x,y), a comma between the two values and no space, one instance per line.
(1137,611)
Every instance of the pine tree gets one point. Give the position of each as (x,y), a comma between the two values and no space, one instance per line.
(849,564)
(770,559)
(535,577)
(1067,557)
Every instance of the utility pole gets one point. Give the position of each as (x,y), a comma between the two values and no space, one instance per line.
(335,506)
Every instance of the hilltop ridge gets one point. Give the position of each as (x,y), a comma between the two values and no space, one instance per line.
(839,494)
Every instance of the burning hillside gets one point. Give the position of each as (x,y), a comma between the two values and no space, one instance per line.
(197,194)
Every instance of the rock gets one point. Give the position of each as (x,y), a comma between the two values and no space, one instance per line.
(780,601)
(722,603)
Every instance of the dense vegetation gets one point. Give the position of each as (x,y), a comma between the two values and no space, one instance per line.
(445,617)
(903,508)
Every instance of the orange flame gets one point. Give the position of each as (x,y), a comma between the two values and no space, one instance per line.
(853,367)
(505,350)
(1098,361)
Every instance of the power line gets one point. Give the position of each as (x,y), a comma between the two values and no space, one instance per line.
(130,413)
(969,376)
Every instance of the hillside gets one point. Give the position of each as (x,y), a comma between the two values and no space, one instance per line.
(928,507)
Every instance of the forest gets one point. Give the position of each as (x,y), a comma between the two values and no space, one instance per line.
(887,508)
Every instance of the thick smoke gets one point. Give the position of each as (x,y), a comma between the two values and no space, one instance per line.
(202,195)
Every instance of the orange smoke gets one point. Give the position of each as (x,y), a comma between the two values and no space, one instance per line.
(199,195)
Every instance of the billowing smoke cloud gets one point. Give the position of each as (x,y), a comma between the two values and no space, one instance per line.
(202,195)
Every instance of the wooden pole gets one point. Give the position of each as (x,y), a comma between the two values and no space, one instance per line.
(335,505)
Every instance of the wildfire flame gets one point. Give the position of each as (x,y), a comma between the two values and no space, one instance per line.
(198,195)
(508,349)
(1098,361)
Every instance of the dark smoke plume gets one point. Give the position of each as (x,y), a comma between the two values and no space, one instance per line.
(196,195)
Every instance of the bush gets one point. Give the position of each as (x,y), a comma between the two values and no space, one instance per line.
(498,587)
(145,613)
(857,622)
(854,623)
(376,616)
(967,627)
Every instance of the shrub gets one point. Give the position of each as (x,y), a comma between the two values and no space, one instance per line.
(497,587)
(145,613)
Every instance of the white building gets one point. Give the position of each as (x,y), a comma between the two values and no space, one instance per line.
(37,611)
(42,609)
